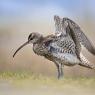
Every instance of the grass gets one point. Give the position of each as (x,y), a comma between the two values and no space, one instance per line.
(26,83)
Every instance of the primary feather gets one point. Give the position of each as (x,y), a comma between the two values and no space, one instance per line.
(79,35)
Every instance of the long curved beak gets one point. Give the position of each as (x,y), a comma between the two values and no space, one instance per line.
(20,48)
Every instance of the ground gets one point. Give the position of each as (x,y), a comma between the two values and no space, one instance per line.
(30,84)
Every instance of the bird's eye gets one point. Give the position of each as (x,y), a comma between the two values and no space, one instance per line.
(30,37)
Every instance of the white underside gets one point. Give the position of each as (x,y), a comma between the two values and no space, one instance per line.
(67,59)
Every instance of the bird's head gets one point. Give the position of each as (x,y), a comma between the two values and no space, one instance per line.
(32,38)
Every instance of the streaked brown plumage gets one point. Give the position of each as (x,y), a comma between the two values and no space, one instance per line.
(78,37)
(63,48)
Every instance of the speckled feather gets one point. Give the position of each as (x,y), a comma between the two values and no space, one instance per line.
(64,47)
(74,31)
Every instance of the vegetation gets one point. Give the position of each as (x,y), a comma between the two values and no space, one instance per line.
(26,83)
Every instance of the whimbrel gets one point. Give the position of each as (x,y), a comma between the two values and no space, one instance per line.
(63,47)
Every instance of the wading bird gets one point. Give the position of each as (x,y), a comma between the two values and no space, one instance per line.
(63,47)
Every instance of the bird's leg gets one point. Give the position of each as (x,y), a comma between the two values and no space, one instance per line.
(60,70)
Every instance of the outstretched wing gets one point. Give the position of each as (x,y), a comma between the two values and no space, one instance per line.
(78,34)
(63,29)
(59,28)
(76,41)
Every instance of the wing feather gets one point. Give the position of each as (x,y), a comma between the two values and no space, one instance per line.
(80,35)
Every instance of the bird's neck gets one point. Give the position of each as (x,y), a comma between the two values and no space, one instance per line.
(39,40)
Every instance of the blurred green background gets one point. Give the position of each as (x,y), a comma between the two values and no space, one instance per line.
(18,18)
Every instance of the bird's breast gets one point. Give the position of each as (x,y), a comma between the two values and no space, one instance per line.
(40,49)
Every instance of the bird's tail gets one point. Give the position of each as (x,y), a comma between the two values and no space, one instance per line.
(85,62)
